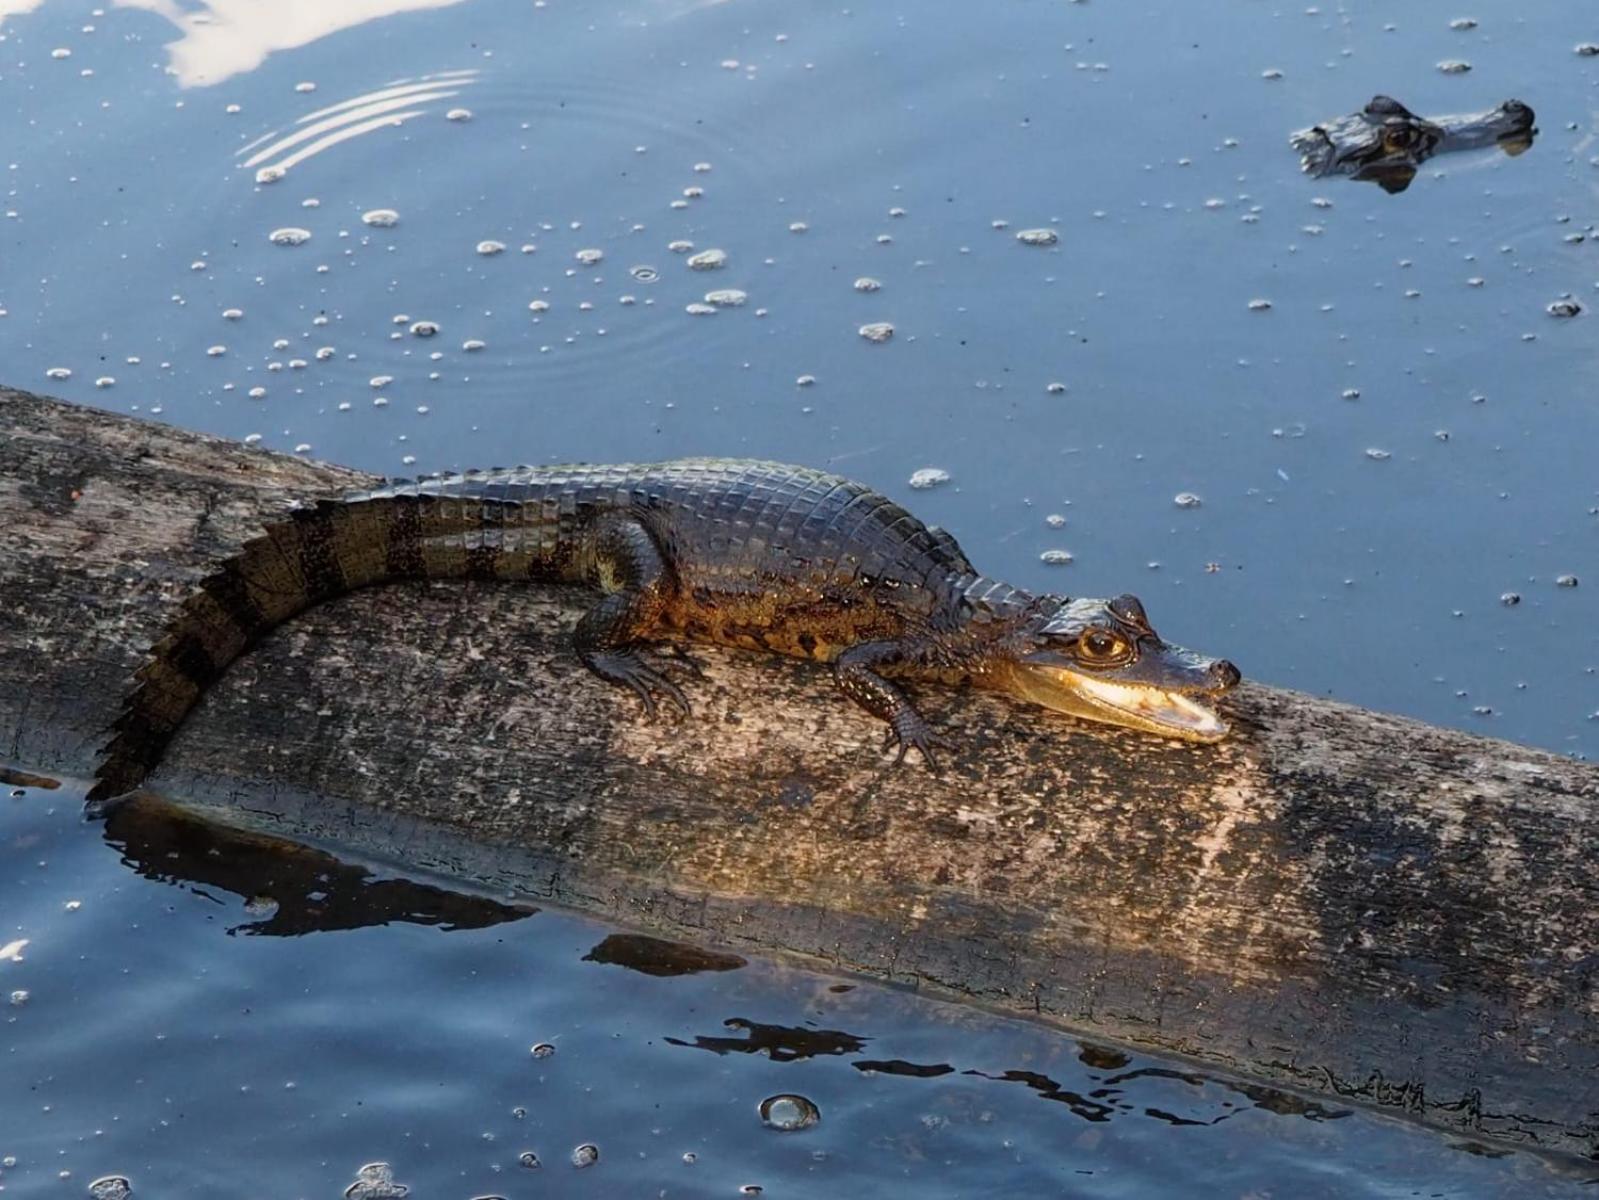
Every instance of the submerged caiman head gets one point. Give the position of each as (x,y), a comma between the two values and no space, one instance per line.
(1102,660)
(1385,142)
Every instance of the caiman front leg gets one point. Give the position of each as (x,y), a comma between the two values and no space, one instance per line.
(853,672)
(630,569)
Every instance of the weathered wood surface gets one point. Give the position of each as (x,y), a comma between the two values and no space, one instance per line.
(1333,899)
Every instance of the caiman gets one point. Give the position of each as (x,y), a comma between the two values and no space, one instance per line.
(735,552)
(1385,142)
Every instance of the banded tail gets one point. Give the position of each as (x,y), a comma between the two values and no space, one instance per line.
(321,551)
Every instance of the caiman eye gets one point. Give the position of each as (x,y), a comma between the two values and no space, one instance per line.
(1099,646)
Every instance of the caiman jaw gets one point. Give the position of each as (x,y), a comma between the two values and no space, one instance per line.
(1177,710)
(1171,714)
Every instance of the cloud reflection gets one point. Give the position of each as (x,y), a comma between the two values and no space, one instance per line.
(15,8)
(224,38)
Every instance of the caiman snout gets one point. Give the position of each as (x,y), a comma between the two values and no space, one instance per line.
(1224,675)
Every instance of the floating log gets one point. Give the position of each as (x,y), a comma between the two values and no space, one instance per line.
(1333,900)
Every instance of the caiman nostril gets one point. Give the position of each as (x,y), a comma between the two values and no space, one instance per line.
(1223,674)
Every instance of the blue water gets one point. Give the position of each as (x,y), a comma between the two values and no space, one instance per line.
(827,145)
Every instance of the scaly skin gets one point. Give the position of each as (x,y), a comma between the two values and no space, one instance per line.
(735,552)
(1385,143)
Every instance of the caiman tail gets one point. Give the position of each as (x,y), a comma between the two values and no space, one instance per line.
(320,551)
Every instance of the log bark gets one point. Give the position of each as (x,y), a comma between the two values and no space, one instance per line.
(1333,900)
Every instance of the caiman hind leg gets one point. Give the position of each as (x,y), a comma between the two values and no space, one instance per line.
(853,672)
(630,569)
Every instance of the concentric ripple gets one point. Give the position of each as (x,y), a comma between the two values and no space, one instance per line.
(274,154)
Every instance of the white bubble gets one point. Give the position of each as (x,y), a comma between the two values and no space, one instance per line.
(1055,558)
(58,373)
(1037,237)
(289,235)
(877,331)
(928,477)
(700,310)
(472,345)
(380,218)
(708,260)
(488,247)
(458,114)
(867,284)
(726,298)
(589,257)
(270,174)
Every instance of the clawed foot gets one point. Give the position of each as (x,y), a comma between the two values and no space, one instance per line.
(909,729)
(682,658)
(646,681)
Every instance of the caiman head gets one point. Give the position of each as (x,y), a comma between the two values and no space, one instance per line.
(1385,142)
(1102,660)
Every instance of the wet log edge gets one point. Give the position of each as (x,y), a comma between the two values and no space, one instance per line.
(1334,900)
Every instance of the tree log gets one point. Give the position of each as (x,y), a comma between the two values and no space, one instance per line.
(1332,899)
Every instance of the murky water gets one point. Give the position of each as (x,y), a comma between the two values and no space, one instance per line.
(1055,262)
(203,1014)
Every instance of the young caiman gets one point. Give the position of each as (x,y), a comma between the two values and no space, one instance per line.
(732,551)
(1385,143)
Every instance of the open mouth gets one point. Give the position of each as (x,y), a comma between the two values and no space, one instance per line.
(1172,713)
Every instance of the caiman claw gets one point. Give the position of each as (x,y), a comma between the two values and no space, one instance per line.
(910,730)
(646,681)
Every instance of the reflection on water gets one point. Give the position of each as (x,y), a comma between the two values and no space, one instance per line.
(14,8)
(780,1043)
(224,38)
(288,889)
(387,108)
(656,956)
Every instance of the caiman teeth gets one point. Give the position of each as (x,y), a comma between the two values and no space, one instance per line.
(1175,711)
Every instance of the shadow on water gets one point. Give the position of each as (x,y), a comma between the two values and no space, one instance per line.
(292,889)
(659,957)
(780,1043)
